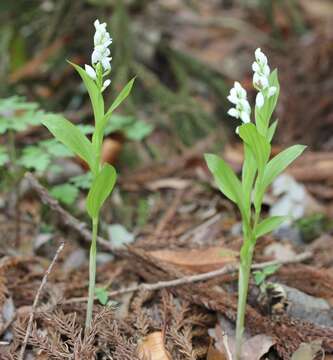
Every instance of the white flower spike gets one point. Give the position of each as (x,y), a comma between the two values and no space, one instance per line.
(242,109)
(101,54)
(261,78)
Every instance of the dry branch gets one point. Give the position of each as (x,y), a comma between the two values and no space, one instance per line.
(64,215)
(197,277)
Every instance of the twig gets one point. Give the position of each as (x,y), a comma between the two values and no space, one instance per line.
(197,277)
(65,216)
(35,303)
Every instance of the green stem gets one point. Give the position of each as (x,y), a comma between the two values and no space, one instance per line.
(92,272)
(243,285)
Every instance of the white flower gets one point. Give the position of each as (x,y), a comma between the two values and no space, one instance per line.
(90,71)
(106,84)
(261,58)
(234,113)
(272,91)
(260,81)
(101,37)
(101,51)
(260,100)
(261,78)
(242,109)
(245,117)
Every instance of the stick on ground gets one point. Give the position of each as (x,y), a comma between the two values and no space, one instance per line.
(34,305)
(197,277)
(65,216)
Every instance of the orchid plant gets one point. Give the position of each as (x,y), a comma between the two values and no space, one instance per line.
(104,175)
(258,170)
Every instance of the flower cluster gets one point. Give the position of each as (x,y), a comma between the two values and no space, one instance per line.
(261,78)
(100,57)
(238,97)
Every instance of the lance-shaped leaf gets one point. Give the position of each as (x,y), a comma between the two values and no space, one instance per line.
(268,225)
(248,175)
(70,135)
(271,130)
(100,189)
(225,178)
(94,94)
(257,143)
(280,162)
(120,98)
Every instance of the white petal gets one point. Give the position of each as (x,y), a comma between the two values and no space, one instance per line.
(272,91)
(106,84)
(234,113)
(255,67)
(106,63)
(237,86)
(245,117)
(241,92)
(96,56)
(233,98)
(244,104)
(260,100)
(237,130)
(266,70)
(260,57)
(90,71)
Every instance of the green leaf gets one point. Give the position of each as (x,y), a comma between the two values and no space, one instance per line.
(280,162)
(138,130)
(271,131)
(225,178)
(53,147)
(100,189)
(271,269)
(34,157)
(66,193)
(258,144)
(259,277)
(71,136)
(269,225)
(102,295)
(82,181)
(248,175)
(120,98)
(93,91)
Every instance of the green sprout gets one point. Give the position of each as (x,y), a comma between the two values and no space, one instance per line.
(103,175)
(258,171)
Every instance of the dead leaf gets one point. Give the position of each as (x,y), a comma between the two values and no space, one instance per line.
(197,260)
(254,348)
(111,149)
(152,347)
(169,183)
(307,351)
(214,354)
(280,251)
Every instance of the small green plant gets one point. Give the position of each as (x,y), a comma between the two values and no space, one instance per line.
(103,175)
(17,155)
(261,275)
(258,170)
(17,116)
